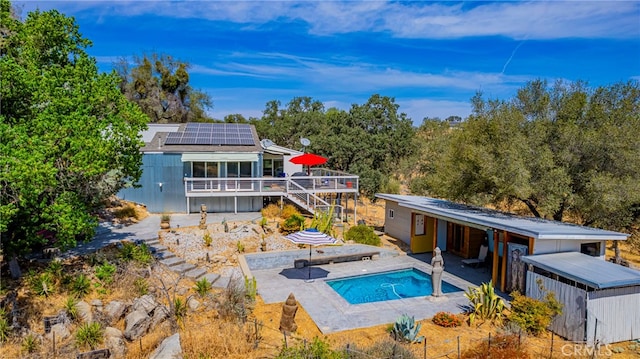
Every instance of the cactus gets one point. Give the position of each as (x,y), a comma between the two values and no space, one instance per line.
(406,329)
(485,304)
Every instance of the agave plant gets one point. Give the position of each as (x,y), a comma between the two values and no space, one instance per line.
(485,303)
(406,329)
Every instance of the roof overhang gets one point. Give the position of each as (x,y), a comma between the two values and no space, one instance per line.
(220,157)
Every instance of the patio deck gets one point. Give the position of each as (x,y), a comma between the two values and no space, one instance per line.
(330,311)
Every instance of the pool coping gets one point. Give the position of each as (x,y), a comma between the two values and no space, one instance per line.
(332,313)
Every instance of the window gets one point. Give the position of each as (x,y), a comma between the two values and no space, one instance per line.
(592,249)
(391,213)
(199,169)
(205,169)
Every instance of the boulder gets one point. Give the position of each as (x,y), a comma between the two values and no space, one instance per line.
(115,310)
(146,303)
(169,349)
(97,303)
(193,304)
(136,324)
(60,330)
(114,340)
(84,311)
(159,315)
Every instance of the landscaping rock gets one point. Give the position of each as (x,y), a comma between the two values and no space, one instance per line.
(114,340)
(146,303)
(159,315)
(60,330)
(97,303)
(193,304)
(169,349)
(84,311)
(136,324)
(115,310)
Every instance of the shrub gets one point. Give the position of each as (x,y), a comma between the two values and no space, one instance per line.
(70,307)
(501,346)
(405,329)
(447,320)
(81,285)
(30,344)
(55,269)
(362,234)
(382,349)
(42,284)
(233,302)
(484,303)
(292,224)
(203,287)
(137,253)
(317,348)
(89,335)
(251,288)
(179,308)
(126,211)
(533,315)
(141,285)
(270,211)
(4,326)
(207,239)
(289,210)
(105,272)
(240,247)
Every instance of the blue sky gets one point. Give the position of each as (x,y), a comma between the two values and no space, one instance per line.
(431,57)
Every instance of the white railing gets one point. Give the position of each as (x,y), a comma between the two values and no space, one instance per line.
(270,185)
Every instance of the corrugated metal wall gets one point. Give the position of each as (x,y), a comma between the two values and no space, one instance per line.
(571,323)
(226,204)
(613,315)
(167,169)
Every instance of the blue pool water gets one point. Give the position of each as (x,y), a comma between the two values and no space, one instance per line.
(399,284)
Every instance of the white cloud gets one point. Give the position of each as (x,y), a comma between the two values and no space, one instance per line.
(517,20)
(418,109)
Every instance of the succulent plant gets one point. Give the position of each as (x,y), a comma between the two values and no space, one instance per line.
(406,329)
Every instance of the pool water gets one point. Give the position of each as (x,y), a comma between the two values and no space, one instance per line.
(399,284)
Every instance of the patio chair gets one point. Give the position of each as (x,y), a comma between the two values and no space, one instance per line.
(476,262)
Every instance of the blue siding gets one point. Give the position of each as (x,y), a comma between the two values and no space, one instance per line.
(167,169)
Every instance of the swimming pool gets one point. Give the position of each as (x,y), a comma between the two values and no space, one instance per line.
(378,287)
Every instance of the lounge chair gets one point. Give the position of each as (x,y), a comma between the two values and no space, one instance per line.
(482,256)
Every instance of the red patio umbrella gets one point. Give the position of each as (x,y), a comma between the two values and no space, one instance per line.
(308,159)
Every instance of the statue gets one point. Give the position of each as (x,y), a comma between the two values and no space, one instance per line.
(437,264)
(287,320)
(203,217)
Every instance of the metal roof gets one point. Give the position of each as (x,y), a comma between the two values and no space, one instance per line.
(485,218)
(591,271)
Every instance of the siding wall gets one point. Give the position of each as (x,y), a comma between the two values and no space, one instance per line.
(613,315)
(400,226)
(225,204)
(167,169)
(543,246)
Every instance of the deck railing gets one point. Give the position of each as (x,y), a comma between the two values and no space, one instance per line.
(218,187)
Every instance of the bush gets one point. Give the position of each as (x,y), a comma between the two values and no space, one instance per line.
(447,320)
(292,224)
(81,285)
(362,234)
(137,253)
(484,303)
(89,335)
(5,330)
(105,272)
(533,315)
(386,348)
(207,239)
(42,284)
(203,287)
(127,211)
(316,349)
(289,210)
(270,211)
(141,285)
(501,347)
(30,344)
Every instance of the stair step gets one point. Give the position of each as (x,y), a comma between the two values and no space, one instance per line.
(172,262)
(164,255)
(222,282)
(212,277)
(182,268)
(157,248)
(195,273)
(152,242)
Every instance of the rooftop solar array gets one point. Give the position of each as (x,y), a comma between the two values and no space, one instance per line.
(226,134)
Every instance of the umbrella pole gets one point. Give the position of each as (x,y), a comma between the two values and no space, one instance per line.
(309,262)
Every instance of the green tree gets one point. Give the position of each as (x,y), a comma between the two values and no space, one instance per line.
(159,84)
(565,151)
(68,138)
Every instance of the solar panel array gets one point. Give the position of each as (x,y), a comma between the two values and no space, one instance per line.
(226,134)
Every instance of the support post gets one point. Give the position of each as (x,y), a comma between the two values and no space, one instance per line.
(496,257)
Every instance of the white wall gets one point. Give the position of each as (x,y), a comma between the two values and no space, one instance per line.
(544,246)
(400,225)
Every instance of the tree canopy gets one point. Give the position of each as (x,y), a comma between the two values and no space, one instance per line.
(159,84)
(565,151)
(68,137)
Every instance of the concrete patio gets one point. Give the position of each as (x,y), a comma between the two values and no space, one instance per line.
(330,311)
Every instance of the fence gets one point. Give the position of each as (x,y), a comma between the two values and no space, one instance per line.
(551,347)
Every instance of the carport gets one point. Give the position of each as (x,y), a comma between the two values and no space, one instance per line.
(600,299)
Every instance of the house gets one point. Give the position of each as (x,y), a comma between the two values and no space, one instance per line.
(226,167)
(424,223)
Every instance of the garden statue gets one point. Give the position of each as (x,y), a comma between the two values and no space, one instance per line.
(203,217)
(437,264)
(289,309)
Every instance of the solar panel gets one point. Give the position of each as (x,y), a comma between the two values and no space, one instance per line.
(229,134)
